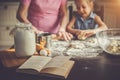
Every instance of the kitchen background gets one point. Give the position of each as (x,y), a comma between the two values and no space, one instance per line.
(109,10)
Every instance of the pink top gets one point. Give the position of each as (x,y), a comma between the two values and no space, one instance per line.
(44,14)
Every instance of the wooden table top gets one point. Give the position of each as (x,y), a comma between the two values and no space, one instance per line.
(103,67)
(9,59)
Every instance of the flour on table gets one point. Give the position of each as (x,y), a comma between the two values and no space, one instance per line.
(76,48)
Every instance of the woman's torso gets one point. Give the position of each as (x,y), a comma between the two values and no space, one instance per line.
(44,14)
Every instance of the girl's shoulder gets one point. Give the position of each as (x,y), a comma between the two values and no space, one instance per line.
(96,15)
(92,15)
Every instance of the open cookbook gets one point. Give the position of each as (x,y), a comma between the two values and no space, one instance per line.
(59,66)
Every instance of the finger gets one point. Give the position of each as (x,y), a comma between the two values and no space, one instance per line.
(83,34)
(59,34)
(67,35)
(64,36)
(89,34)
(71,36)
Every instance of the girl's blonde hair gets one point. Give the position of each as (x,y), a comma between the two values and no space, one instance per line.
(89,1)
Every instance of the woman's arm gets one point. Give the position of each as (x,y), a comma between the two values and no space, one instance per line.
(22,13)
(63,23)
(22,16)
(63,17)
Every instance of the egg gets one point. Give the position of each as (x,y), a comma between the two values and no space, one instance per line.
(43,52)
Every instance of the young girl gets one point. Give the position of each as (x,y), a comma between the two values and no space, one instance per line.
(84,22)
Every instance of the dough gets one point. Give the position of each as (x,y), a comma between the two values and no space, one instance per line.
(82,36)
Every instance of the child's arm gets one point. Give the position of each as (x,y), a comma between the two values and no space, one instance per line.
(101,24)
(71,25)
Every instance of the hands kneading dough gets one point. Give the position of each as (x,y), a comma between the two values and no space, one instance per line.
(84,35)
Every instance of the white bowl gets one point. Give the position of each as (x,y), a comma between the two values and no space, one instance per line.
(109,40)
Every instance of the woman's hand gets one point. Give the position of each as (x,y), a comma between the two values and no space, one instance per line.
(65,35)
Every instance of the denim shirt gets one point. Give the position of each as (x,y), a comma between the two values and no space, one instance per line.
(82,24)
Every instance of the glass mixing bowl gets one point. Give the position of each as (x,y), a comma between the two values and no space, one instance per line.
(109,40)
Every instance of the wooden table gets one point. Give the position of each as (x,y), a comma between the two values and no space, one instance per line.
(102,67)
(9,59)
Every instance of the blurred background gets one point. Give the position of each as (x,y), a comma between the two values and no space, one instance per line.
(108,10)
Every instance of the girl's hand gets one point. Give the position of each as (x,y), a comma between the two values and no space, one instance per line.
(88,34)
(78,32)
(84,34)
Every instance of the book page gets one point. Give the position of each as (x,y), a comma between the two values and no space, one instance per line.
(35,62)
(57,62)
(61,72)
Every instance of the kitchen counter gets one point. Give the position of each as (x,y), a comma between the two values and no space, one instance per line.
(102,67)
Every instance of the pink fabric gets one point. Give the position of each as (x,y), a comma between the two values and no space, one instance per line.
(44,14)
